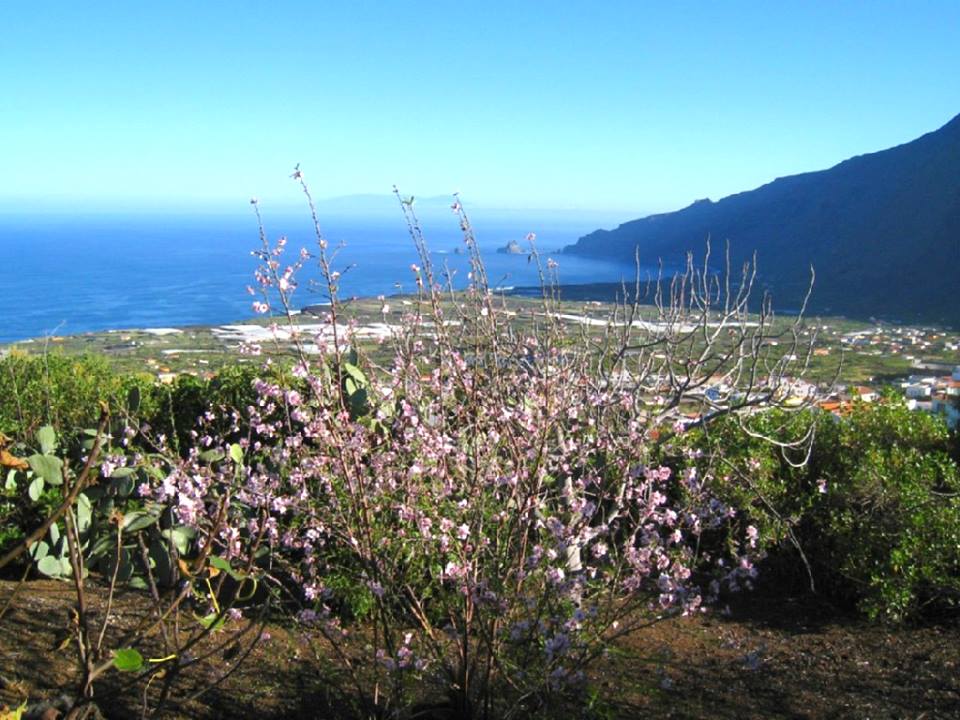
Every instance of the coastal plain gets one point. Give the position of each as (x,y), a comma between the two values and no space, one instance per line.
(850,351)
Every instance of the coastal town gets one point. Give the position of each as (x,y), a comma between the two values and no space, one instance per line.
(920,363)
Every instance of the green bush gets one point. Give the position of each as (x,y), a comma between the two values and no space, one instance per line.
(892,509)
(66,392)
(875,509)
(52,389)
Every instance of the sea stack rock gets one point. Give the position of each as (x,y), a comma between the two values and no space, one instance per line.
(511,248)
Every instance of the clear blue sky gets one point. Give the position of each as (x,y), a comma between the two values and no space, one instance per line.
(628,105)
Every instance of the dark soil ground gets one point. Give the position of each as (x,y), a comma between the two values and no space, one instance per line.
(768,658)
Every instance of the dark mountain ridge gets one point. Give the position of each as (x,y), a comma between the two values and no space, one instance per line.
(882,231)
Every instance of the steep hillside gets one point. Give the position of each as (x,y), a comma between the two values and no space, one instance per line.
(882,231)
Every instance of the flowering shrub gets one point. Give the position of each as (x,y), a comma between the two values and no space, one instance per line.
(482,514)
(501,518)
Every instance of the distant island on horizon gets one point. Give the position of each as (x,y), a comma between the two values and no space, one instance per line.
(881,230)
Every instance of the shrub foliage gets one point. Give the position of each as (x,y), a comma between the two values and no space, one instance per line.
(873,506)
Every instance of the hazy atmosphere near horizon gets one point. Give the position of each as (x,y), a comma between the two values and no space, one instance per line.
(133,137)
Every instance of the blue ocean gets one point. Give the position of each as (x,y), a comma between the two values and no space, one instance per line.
(73,273)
